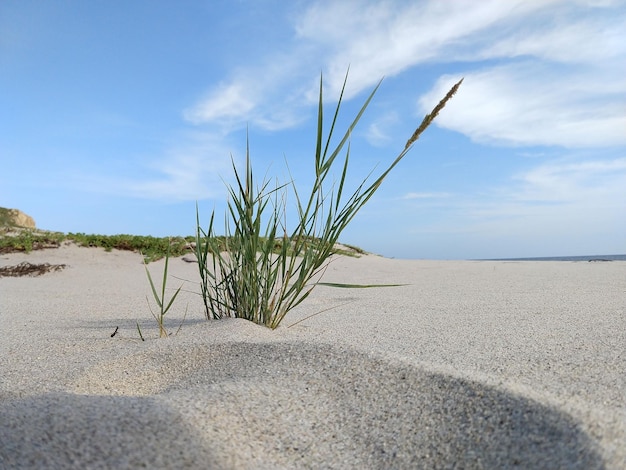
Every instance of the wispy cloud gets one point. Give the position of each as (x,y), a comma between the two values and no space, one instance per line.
(386,38)
(559,81)
(559,207)
(580,103)
(549,195)
(191,170)
(379,132)
(375,39)
(533,104)
(537,73)
(227,101)
(268,96)
(598,182)
(589,40)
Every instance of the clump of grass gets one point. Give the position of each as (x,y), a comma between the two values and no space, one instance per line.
(248,278)
(159,298)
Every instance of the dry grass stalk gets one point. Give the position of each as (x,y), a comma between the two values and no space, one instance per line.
(430,117)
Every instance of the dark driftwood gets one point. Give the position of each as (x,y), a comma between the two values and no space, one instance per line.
(29,269)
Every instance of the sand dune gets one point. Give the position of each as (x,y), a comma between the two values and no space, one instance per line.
(470,365)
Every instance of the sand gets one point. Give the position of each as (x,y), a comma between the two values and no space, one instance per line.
(470,365)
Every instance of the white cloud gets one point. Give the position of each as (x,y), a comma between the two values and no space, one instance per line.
(192,170)
(375,39)
(179,178)
(533,104)
(267,95)
(565,206)
(227,101)
(582,40)
(385,38)
(579,182)
(554,196)
(558,79)
(378,132)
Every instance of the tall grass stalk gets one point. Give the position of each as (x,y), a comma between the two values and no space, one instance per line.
(159,298)
(248,278)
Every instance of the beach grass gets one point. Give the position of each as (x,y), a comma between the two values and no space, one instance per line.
(160,299)
(251,278)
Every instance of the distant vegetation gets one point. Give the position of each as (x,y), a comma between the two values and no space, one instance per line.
(153,248)
(5,217)
(13,239)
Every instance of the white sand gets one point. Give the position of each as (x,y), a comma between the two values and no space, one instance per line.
(471,365)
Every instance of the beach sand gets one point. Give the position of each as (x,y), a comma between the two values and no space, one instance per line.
(485,364)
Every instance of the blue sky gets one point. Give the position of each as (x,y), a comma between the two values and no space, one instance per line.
(116,117)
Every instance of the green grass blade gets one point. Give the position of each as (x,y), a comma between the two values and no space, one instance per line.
(154,292)
(357,286)
(320,131)
(139,331)
(166,309)
(167,259)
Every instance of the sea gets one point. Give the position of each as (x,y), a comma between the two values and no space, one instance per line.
(591,258)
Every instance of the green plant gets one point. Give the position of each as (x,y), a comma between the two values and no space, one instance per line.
(16,239)
(247,278)
(27,240)
(152,248)
(160,299)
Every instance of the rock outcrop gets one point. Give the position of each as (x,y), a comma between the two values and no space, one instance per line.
(14,217)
